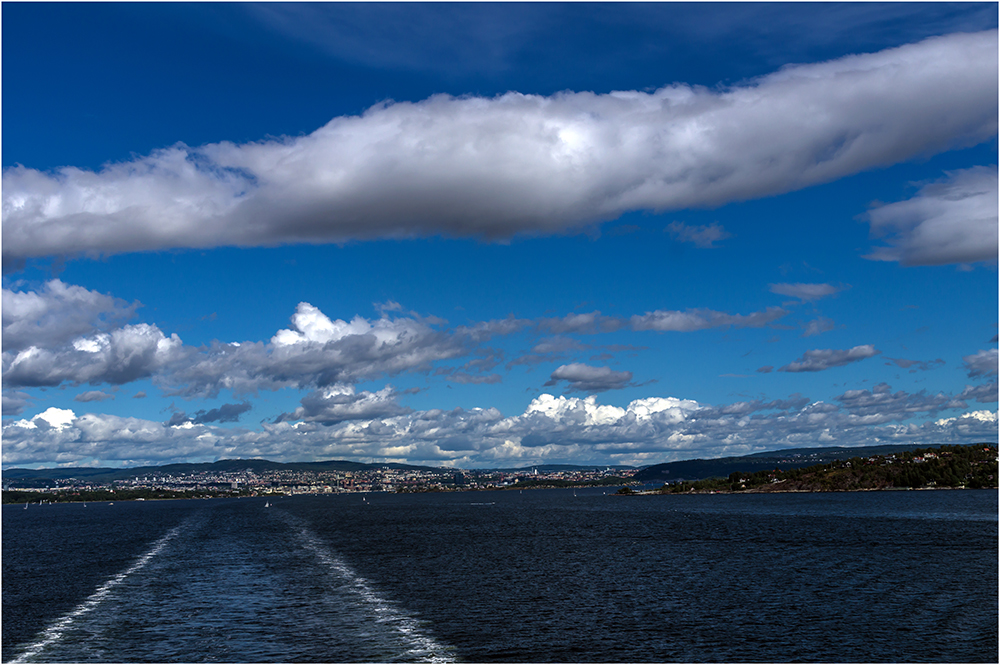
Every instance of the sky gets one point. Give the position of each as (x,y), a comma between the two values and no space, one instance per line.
(494,235)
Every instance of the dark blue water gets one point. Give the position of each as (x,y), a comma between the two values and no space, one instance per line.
(538,576)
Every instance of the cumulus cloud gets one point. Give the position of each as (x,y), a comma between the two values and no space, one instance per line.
(318,351)
(806,291)
(817,360)
(493,167)
(337,423)
(57,313)
(950,221)
(340,403)
(699,236)
(983,363)
(588,379)
(126,354)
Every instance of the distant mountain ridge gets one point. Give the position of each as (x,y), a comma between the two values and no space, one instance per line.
(695,469)
(106,474)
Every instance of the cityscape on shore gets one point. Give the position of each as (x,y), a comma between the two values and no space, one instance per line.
(825,469)
(250,482)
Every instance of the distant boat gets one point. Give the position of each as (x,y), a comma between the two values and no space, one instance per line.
(267,505)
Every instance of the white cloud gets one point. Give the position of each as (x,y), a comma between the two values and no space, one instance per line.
(57,313)
(818,326)
(702,319)
(123,355)
(981,416)
(318,351)
(806,291)
(93,396)
(586,323)
(699,236)
(951,221)
(50,418)
(586,378)
(983,363)
(817,360)
(472,166)
(887,405)
(914,365)
(341,402)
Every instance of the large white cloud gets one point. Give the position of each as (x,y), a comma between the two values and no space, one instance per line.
(951,221)
(519,163)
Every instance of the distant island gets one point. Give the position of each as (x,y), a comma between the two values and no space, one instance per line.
(971,467)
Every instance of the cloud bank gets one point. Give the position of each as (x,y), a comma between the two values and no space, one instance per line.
(520,163)
(339,424)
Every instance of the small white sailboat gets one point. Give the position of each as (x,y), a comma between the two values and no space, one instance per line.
(267,504)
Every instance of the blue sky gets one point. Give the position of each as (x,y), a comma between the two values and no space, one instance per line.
(495,234)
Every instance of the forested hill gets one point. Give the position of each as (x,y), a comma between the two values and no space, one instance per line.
(792,458)
(973,467)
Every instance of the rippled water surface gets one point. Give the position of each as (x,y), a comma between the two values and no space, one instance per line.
(539,576)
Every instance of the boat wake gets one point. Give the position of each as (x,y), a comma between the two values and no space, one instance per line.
(421,647)
(55,632)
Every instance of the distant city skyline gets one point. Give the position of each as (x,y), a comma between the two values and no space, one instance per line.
(496,235)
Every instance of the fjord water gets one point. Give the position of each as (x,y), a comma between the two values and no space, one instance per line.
(538,576)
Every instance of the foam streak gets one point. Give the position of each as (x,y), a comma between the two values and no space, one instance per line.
(55,632)
(422,647)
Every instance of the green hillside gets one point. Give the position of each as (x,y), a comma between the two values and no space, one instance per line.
(972,467)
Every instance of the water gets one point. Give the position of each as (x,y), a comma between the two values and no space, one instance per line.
(539,576)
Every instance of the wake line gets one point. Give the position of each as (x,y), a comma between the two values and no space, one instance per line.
(55,632)
(424,647)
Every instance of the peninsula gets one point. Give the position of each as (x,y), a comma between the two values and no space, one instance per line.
(955,467)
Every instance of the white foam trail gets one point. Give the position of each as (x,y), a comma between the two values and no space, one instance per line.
(55,632)
(423,647)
